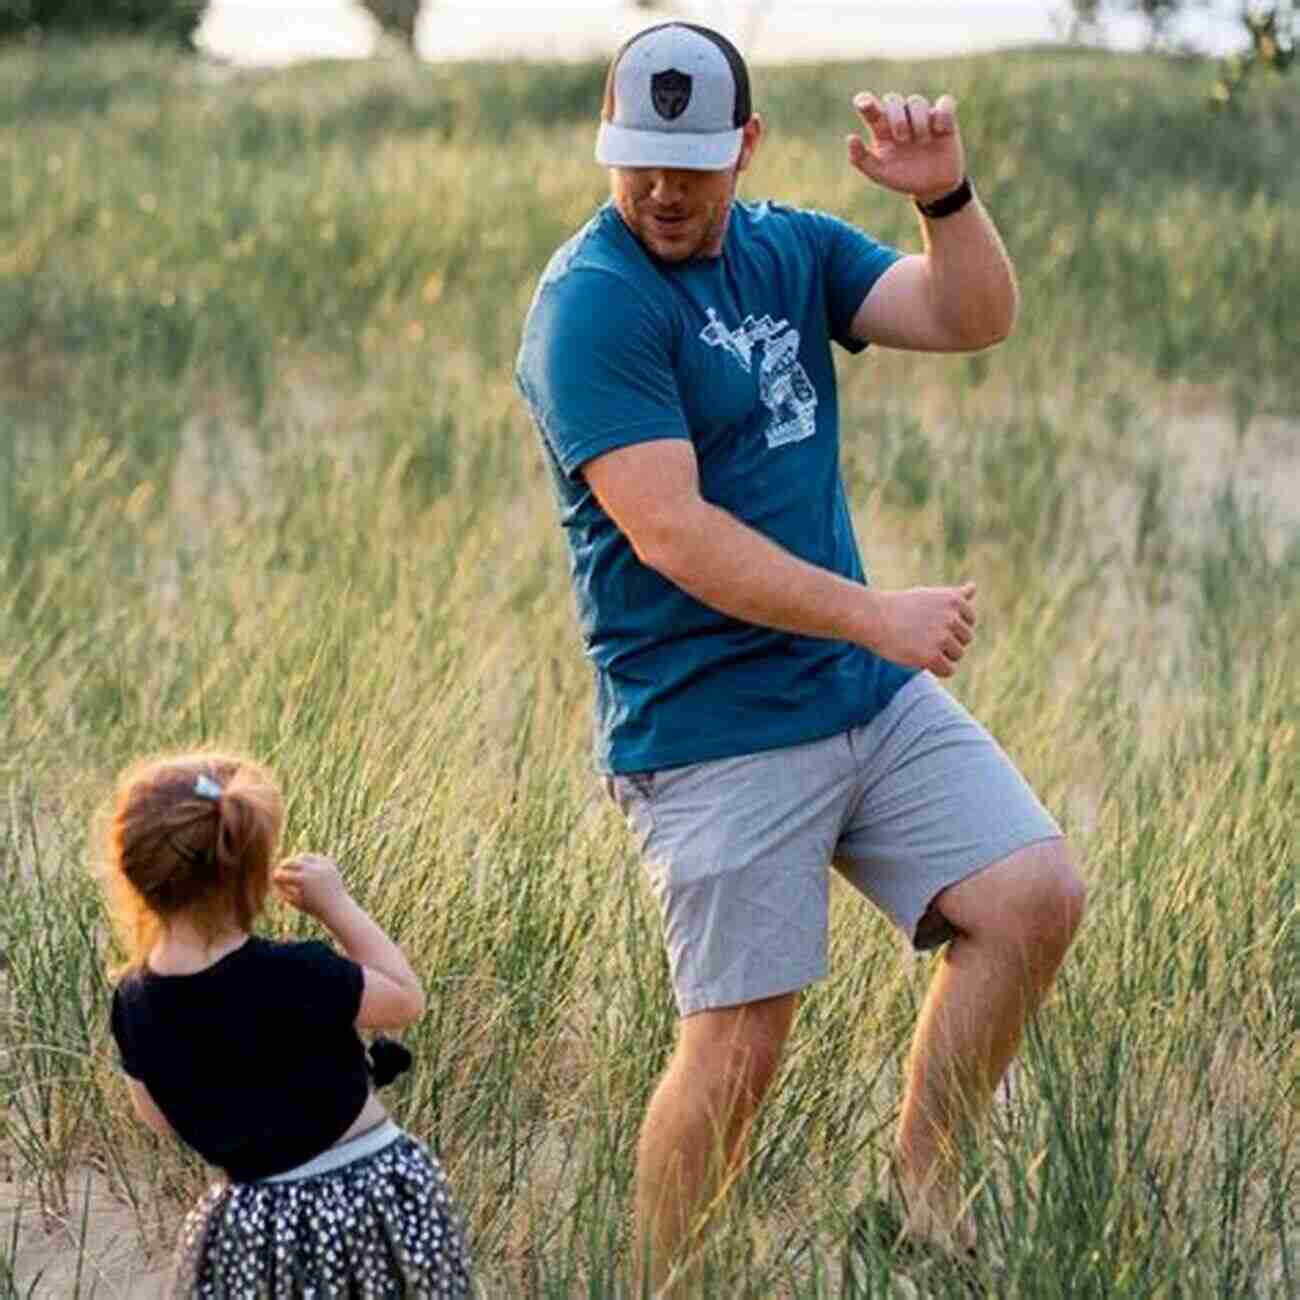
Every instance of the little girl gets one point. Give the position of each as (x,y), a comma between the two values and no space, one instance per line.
(247,1050)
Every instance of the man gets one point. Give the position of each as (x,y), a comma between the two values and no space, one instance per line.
(761,712)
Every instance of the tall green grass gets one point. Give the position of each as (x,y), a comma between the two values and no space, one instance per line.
(264,480)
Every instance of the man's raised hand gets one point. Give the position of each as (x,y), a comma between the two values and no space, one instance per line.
(912,147)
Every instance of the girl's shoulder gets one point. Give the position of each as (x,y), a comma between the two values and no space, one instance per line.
(272,971)
(127,991)
(311,958)
(322,974)
(255,957)
(305,953)
(259,958)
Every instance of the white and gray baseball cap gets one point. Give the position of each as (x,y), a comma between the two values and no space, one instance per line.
(677,95)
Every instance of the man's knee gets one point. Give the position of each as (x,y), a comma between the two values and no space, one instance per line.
(1045,900)
(1035,897)
(1071,891)
(1057,893)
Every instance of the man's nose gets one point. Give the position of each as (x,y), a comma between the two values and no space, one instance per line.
(667,185)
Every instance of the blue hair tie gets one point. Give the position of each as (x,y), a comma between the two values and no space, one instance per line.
(206,788)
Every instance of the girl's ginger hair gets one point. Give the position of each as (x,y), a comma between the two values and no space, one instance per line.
(173,851)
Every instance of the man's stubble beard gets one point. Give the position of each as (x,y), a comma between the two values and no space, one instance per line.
(708,244)
(639,223)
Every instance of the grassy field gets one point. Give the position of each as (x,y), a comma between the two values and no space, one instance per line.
(264,480)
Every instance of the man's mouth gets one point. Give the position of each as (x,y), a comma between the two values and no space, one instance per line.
(668,221)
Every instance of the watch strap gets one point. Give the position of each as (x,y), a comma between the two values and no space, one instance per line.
(946,204)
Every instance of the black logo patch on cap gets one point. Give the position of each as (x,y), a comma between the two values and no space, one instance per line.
(670,92)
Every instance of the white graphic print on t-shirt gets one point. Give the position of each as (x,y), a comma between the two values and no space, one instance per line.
(783,383)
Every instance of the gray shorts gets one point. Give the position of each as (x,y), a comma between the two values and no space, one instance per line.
(738,848)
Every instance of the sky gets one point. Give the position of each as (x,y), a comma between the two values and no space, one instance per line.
(279,31)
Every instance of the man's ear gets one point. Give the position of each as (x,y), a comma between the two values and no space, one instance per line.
(749,144)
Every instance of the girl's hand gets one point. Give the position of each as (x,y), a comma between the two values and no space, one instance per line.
(311,883)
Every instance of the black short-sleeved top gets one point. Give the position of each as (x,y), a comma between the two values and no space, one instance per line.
(255,1061)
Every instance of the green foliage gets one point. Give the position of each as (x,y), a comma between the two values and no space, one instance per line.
(172,20)
(264,480)
(1271,51)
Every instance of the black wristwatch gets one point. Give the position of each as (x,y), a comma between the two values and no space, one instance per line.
(946,204)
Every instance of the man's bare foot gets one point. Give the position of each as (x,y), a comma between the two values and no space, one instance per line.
(882,1247)
(931,1213)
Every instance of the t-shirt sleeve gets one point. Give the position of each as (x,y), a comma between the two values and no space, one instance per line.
(596,368)
(851,263)
(327,984)
(118,1018)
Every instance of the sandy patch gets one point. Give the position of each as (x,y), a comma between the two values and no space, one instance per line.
(95,1251)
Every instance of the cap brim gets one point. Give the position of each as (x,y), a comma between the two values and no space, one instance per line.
(620,146)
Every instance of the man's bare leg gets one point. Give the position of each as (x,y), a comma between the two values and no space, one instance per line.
(1015,921)
(694,1132)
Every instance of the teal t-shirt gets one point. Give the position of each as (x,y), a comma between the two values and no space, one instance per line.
(734,354)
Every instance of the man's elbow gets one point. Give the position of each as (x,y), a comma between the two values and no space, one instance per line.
(1005,321)
(664,546)
(995,334)
(989,330)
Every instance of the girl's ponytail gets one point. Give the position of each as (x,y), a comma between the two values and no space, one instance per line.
(249,814)
(192,834)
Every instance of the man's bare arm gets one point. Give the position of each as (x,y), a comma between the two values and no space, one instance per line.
(651,491)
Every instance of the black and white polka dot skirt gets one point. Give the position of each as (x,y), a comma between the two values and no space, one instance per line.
(380,1227)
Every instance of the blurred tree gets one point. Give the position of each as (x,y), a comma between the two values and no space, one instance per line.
(1271,31)
(1159,14)
(396,18)
(1082,20)
(172,20)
